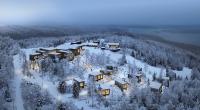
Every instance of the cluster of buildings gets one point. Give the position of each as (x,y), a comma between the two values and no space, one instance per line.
(99,80)
(101,88)
(54,54)
(70,53)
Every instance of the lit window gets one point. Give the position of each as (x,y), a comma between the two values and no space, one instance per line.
(98,77)
(101,76)
(81,84)
(107,92)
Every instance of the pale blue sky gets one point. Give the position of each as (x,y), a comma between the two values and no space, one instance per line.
(100,12)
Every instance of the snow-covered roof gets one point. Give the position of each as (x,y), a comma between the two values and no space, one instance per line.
(112,43)
(103,86)
(41,51)
(155,85)
(65,51)
(91,43)
(47,49)
(121,80)
(54,53)
(36,54)
(165,78)
(95,73)
(78,79)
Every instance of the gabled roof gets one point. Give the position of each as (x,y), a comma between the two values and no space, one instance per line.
(78,79)
(155,85)
(121,80)
(53,53)
(112,43)
(95,73)
(165,78)
(35,54)
(103,86)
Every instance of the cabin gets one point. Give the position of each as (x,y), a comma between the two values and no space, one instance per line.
(113,47)
(96,41)
(35,56)
(103,90)
(76,50)
(139,77)
(66,54)
(122,84)
(156,87)
(80,82)
(96,76)
(106,72)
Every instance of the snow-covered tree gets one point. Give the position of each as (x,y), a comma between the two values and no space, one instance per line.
(122,60)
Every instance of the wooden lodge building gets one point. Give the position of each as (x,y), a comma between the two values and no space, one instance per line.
(80,82)
(66,54)
(97,76)
(113,47)
(156,87)
(103,90)
(76,50)
(35,56)
(54,55)
(122,84)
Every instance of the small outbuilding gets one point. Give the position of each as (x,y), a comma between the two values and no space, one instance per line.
(122,84)
(156,87)
(103,90)
(80,82)
(96,76)
(113,45)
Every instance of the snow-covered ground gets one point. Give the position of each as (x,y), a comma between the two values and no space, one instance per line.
(51,86)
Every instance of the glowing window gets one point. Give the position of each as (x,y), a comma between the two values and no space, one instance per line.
(98,77)
(81,84)
(107,92)
(101,76)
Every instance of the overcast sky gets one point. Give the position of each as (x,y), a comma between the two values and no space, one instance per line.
(100,12)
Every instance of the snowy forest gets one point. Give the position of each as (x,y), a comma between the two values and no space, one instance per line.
(72,82)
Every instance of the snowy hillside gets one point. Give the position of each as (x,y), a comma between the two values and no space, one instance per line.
(91,60)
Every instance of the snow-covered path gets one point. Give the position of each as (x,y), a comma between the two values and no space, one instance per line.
(17,84)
